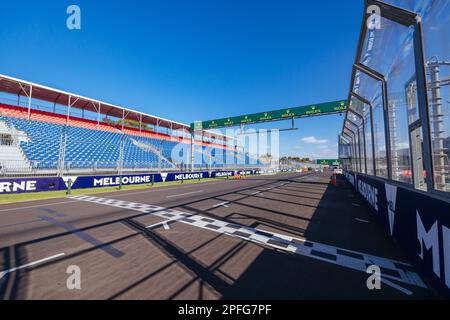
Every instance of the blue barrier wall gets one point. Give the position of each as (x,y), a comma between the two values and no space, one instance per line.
(22,185)
(84,182)
(419,222)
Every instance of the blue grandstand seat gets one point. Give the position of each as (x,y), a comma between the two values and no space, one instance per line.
(85,148)
(92,148)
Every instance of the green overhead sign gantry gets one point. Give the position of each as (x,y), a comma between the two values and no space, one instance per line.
(329,162)
(277,115)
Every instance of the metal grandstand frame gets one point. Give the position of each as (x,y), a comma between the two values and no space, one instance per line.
(30,90)
(408,19)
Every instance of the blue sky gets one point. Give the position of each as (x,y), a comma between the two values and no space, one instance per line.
(193,60)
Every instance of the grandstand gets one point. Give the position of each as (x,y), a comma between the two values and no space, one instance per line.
(48,142)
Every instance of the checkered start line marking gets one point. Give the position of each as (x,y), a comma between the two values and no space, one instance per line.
(390,269)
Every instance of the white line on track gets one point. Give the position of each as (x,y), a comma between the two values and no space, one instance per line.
(223,204)
(184,194)
(160,189)
(38,206)
(113,194)
(162,223)
(346,258)
(3,273)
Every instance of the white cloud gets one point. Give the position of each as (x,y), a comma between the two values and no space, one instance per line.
(314,140)
(324,152)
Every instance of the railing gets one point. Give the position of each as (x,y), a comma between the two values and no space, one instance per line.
(10,168)
(6,140)
(49,145)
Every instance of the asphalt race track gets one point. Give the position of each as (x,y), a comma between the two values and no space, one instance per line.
(287,236)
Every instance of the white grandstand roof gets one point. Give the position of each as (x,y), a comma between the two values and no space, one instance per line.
(22,87)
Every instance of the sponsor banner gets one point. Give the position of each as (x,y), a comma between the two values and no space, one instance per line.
(286,170)
(83,182)
(419,222)
(350,177)
(329,162)
(275,115)
(246,172)
(22,185)
(222,174)
(187,176)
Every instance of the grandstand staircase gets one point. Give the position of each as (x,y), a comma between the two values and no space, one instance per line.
(12,157)
(150,148)
(4,128)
